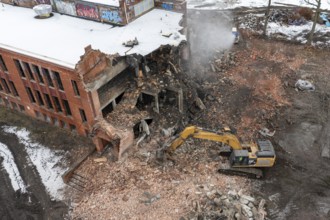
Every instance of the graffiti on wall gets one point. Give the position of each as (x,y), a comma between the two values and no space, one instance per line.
(167,6)
(143,6)
(87,11)
(65,7)
(112,16)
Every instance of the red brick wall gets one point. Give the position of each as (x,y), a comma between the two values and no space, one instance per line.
(75,102)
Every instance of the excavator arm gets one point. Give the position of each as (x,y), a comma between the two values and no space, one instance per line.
(200,133)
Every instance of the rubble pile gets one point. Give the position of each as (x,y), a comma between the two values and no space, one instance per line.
(285,16)
(223,60)
(252,21)
(214,204)
(138,188)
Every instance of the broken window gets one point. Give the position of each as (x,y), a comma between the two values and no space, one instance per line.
(66,107)
(30,94)
(36,70)
(75,88)
(47,76)
(83,115)
(19,68)
(4,83)
(3,64)
(48,101)
(28,69)
(58,80)
(13,88)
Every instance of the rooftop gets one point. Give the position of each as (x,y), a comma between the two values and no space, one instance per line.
(61,39)
(105,2)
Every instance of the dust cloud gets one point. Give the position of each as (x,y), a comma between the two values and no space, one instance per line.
(209,34)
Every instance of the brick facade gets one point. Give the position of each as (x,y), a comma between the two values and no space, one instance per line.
(48,92)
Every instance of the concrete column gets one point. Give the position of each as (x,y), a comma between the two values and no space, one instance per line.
(180,100)
(156,103)
(98,144)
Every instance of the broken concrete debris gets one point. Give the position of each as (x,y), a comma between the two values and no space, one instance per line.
(290,17)
(131,43)
(304,85)
(149,198)
(266,132)
(222,61)
(100,160)
(215,204)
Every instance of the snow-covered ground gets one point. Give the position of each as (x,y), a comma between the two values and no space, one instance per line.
(44,159)
(284,31)
(10,166)
(229,4)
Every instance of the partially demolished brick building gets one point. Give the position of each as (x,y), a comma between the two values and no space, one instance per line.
(93,78)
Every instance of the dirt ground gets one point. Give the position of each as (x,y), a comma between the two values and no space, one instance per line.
(255,90)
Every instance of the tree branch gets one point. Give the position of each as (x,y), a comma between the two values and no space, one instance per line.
(314,4)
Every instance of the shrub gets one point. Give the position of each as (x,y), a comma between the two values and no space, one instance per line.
(307,13)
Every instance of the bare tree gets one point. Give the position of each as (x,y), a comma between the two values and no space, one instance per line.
(267,17)
(317,5)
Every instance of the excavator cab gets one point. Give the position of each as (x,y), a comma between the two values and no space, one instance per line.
(239,158)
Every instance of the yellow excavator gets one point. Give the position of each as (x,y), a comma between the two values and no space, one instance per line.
(244,159)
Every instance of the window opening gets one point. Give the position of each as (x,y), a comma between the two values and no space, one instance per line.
(48,78)
(30,94)
(19,68)
(13,88)
(75,88)
(3,64)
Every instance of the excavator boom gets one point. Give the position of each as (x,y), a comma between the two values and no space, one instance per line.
(201,133)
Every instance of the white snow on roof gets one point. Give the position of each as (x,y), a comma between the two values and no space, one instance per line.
(44,159)
(11,168)
(225,4)
(105,2)
(61,39)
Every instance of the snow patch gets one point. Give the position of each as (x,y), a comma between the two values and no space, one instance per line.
(44,159)
(230,4)
(11,168)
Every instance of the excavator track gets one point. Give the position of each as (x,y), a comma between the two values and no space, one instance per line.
(250,172)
